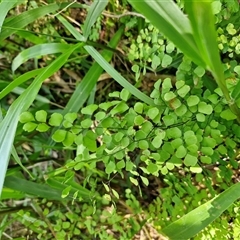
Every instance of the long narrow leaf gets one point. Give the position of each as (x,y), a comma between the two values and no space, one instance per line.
(37,51)
(16,82)
(107,67)
(35,189)
(192,223)
(13,24)
(114,74)
(93,13)
(85,87)
(203,25)
(5,6)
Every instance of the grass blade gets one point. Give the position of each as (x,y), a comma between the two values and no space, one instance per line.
(16,82)
(204,33)
(114,74)
(11,25)
(32,188)
(189,225)
(5,6)
(87,84)
(106,66)
(36,51)
(203,24)
(93,13)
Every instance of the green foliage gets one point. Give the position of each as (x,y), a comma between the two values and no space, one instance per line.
(125,161)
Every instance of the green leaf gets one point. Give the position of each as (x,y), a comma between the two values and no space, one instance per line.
(152,112)
(155,62)
(89,141)
(55,119)
(169,96)
(205,108)
(228,115)
(200,117)
(111,167)
(138,107)
(157,142)
(199,71)
(181,152)
(216,7)
(26,117)
(181,110)
(115,193)
(29,126)
(144,180)
(138,120)
(125,94)
(143,144)
(190,160)
(168,120)
(196,169)
(70,117)
(189,225)
(41,116)
(42,127)
(89,109)
(192,100)
(118,136)
(119,108)
(152,168)
(120,164)
(183,91)
(66,191)
(237,70)
(59,135)
(134,181)
(166,61)
(69,139)
(86,123)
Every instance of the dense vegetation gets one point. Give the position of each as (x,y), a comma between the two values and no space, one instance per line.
(119,119)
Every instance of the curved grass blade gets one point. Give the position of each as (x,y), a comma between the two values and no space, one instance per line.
(37,51)
(93,13)
(114,74)
(16,82)
(106,66)
(192,223)
(5,6)
(170,20)
(203,24)
(8,193)
(9,124)
(34,189)
(11,25)
(87,84)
